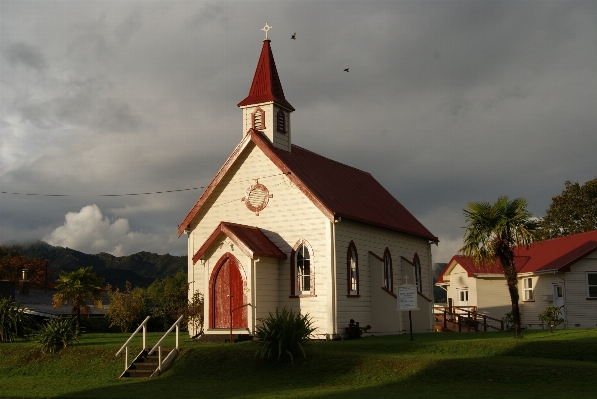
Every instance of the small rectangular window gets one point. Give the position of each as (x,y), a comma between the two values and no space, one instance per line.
(528,289)
(592,285)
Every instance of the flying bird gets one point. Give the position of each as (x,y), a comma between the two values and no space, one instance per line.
(293,37)
(346,70)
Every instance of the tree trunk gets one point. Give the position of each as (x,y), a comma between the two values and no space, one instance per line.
(506,257)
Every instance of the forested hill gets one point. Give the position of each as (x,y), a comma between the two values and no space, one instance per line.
(141,269)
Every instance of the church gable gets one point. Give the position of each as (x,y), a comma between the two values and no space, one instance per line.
(252,191)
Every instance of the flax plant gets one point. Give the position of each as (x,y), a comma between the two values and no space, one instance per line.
(283,333)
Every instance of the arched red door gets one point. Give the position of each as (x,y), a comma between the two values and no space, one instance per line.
(227,293)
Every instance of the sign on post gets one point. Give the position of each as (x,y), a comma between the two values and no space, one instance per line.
(407,300)
(407,297)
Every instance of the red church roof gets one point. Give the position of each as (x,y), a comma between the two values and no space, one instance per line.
(266,86)
(338,190)
(249,239)
(556,254)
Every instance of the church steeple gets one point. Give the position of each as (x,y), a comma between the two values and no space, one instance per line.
(265,108)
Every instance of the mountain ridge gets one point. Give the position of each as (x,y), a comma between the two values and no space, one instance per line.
(140,269)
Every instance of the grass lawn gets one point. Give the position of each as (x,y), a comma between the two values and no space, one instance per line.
(449,365)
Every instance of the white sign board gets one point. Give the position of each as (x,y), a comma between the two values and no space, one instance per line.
(407,297)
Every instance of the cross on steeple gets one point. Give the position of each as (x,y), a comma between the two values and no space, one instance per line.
(266,28)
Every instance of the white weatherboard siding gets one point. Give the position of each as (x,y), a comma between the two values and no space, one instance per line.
(288,218)
(492,298)
(267,286)
(459,280)
(580,310)
(279,140)
(384,317)
(543,287)
(367,239)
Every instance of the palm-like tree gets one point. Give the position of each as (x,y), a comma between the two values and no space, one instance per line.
(492,232)
(78,287)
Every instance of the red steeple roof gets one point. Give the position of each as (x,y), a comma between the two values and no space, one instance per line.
(266,84)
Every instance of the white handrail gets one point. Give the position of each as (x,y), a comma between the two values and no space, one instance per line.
(144,325)
(159,344)
(176,324)
(125,347)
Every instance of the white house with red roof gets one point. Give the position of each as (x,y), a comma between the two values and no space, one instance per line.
(281,226)
(557,272)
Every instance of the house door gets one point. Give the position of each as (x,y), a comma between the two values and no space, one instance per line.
(558,298)
(227,295)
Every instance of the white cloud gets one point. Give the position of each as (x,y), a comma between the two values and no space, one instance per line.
(90,231)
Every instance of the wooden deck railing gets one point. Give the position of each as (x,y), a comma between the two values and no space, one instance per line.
(466,318)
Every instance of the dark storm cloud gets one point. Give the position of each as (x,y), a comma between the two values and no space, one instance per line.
(27,55)
(131,25)
(445,103)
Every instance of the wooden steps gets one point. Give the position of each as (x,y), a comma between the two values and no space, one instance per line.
(147,366)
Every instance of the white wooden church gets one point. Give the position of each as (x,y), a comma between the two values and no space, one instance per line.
(281,226)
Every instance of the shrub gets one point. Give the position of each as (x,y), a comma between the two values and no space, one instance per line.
(14,322)
(284,332)
(56,334)
(195,314)
(551,316)
(167,300)
(127,308)
(354,330)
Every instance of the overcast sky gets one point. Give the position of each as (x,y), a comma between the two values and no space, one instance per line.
(446,102)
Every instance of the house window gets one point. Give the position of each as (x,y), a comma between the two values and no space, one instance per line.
(592,285)
(417,264)
(302,275)
(387,271)
(352,271)
(258,119)
(463,297)
(281,121)
(527,284)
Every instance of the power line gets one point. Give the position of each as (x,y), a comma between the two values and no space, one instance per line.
(132,194)
(102,195)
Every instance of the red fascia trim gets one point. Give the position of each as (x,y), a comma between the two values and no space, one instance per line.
(386,226)
(423,295)
(403,258)
(566,266)
(214,183)
(376,255)
(208,243)
(389,292)
(440,279)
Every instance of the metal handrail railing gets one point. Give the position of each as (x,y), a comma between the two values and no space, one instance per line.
(158,346)
(125,347)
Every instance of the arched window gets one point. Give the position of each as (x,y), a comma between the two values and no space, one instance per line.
(302,277)
(417,264)
(281,121)
(352,270)
(388,282)
(258,119)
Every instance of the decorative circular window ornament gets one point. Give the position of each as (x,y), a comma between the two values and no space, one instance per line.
(257,197)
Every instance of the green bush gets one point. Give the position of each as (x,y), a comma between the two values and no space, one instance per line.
(551,316)
(127,308)
(57,334)
(14,322)
(167,299)
(284,332)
